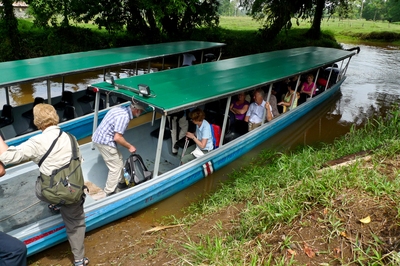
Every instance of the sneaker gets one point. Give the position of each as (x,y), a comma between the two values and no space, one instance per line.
(121,187)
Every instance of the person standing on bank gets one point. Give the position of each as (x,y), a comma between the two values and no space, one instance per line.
(106,137)
(46,119)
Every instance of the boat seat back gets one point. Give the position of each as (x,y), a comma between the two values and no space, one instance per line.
(88,97)
(69,113)
(29,114)
(30,128)
(8,132)
(6,117)
(67,98)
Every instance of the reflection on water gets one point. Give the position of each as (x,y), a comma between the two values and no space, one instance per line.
(372,85)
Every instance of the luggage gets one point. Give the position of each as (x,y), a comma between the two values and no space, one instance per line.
(216,135)
(136,170)
(64,185)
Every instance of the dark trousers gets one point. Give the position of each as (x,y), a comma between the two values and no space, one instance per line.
(12,251)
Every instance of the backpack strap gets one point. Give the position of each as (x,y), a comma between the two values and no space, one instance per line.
(74,147)
(140,159)
(49,150)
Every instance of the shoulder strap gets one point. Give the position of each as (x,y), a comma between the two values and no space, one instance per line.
(74,147)
(49,150)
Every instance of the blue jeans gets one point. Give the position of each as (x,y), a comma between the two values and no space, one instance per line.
(12,251)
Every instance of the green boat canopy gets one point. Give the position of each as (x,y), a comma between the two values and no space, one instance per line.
(19,71)
(186,87)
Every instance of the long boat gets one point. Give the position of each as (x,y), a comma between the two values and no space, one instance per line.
(76,109)
(28,219)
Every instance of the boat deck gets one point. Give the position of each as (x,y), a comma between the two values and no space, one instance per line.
(20,190)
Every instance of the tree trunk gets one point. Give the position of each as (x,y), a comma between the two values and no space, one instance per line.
(11,28)
(315,31)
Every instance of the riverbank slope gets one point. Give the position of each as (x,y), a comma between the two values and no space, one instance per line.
(333,205)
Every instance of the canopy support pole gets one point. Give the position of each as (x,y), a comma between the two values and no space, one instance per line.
(315,84)
(163,62)
(48,91)
(225,123)
(267,101)
(202,54)
(220,54)
(329,78)
(62,85)
(96,114)
(7,95)
(159,145)
(295,91)
(345,68)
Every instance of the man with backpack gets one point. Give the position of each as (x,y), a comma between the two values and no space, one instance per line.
(109,133)
(37,147)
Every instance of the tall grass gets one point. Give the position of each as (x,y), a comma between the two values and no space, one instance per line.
(280,188)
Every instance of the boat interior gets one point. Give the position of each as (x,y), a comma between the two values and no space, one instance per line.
(17,121)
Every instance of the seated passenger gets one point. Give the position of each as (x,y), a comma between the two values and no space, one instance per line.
(238,109)
(307,89)
(202,137)
(255,114)
(288,98)
(188,59)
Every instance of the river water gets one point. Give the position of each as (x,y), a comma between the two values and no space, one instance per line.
(371,88)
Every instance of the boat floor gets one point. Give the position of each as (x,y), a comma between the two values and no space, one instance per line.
(18,202)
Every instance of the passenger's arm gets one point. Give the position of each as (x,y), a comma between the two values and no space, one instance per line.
(243,110)
(3,148)
(269,115)
(3,145)
(246,118)
(119,138)
(200,143)
(2,169)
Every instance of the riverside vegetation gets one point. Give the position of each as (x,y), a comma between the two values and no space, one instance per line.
(299,207)
(237,32)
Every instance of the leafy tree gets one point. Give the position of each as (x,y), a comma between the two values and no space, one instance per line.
(393,10)
(374,9)
(330,6)
(148,18)
(277,14)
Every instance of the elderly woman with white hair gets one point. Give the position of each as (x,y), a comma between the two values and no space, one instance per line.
(35,148)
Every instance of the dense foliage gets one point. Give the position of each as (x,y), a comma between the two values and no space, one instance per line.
(146,19)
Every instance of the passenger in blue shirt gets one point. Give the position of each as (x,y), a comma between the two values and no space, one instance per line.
(202,137)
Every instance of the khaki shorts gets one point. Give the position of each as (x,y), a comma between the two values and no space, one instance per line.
(253,125)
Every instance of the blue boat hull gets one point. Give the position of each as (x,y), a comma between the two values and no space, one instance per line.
(51,231)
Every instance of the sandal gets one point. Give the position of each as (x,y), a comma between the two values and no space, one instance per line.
(54,208)
(82,262)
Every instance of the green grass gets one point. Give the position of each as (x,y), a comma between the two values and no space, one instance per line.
(280,188)
(349,31)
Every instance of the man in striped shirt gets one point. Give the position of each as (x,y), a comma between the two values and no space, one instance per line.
(106,137)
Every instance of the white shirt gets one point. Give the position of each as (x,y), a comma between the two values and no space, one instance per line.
(256,112)
(35,147)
